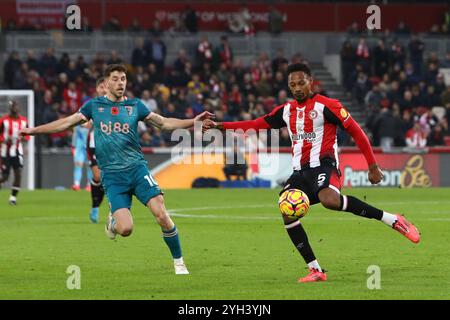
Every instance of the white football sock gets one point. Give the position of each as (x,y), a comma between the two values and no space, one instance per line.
(314,265)
(389,218)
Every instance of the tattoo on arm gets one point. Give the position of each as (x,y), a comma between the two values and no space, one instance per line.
(155,120)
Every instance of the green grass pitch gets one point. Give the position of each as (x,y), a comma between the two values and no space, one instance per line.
(233,242)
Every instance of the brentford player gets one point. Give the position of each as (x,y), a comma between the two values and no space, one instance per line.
(312,121)
(11,147)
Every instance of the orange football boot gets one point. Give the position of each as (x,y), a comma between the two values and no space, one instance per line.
(406,228)
(314,276)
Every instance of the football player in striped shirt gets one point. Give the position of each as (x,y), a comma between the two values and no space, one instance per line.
(11,147)
(312,121)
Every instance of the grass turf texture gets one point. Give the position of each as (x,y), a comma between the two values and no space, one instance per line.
(233,242)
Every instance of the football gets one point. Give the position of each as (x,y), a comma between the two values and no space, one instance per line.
(293,203)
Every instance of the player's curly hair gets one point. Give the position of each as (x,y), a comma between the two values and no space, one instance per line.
(295,67)
(114,67)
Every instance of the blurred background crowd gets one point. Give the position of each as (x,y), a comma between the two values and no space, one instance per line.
(403,95)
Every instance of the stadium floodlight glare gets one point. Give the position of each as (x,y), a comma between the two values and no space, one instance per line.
(25,98)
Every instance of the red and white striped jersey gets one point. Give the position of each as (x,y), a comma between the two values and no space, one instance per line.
(312,126)
(10,142)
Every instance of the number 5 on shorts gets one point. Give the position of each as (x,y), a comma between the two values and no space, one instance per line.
(321,179)
(150,180)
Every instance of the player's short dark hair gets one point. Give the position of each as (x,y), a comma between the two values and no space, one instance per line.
(295,67)
(114,67)
(99,81)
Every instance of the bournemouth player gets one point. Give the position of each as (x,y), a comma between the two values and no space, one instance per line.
(11,148)
(312,121)
(97,191)
(120,158)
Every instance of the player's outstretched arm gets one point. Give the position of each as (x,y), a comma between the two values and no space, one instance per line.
(256,124)
(361,140)
(172,123)
(55,126)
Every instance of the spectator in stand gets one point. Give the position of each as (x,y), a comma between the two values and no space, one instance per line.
(276,20)
(72,96)
(363,55)
(156,50)
(113,25)
(204,52)
(397,54)
(447,117)
(31,61)
(262,86)
(439,85)
(436,136)
(394,93)
(155,30)
(445,97)
(374,97)
(417,97)
(139,56)
(181,60)
(402,125)
(416,137)
(407,101)
(384,129)
(446,62)
(278,61)
(190,19)
(48,64)
(149,102)
(416,48)
(433,58)
(380,59)
(278,83)
(353,29)
(114,58)
(146,140)
(348,62)
(195,86)
(135,26)
(361,87)
(431,98)
(224,53)
(11,66)
(431,73)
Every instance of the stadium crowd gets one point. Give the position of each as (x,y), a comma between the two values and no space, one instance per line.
(398,86)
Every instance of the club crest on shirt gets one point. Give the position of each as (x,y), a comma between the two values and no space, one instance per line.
(129,110)
(312,114)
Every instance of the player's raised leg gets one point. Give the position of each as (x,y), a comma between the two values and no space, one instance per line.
(332,199)
(170,232)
